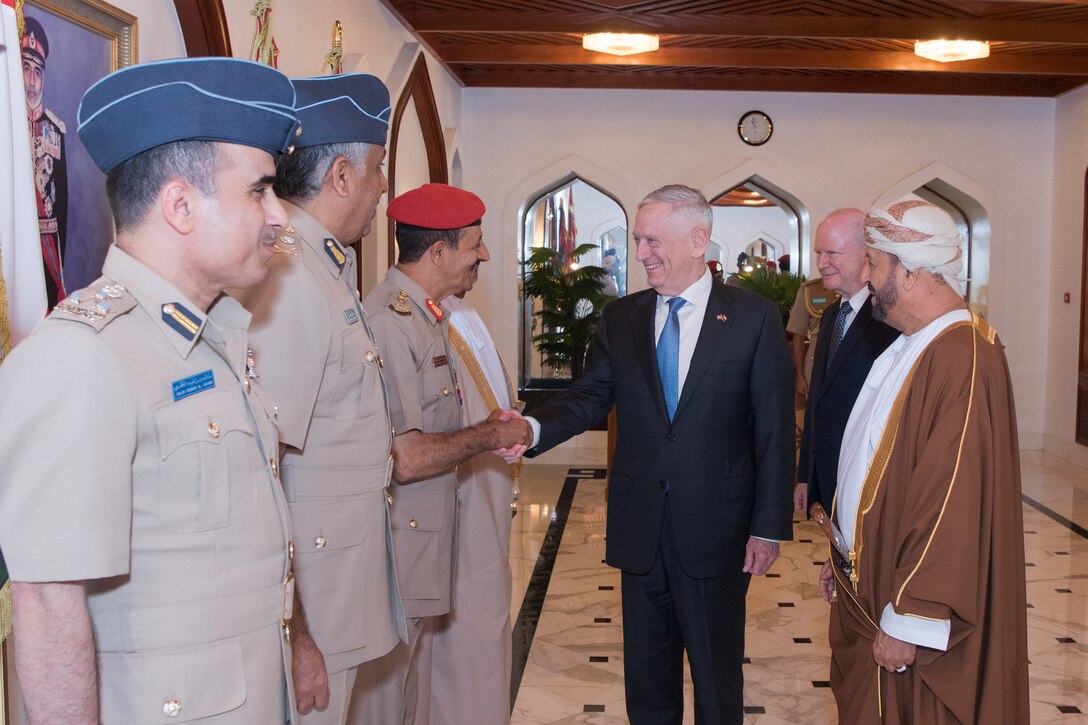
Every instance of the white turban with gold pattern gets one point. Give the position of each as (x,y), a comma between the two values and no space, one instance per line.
(921,234)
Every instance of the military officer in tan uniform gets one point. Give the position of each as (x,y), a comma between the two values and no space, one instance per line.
(441,249)
(141,514)
(808,307)
(321,367)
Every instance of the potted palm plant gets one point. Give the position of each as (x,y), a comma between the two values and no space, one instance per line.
(571,299)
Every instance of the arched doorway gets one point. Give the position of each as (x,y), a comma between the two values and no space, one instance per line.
(756,220)
(562,216)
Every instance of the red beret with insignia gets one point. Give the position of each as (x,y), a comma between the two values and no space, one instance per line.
(437,206)
(715,266)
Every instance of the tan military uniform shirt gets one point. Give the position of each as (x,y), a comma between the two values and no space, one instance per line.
(808,307)
(321,368)
(140,456)
(422,396)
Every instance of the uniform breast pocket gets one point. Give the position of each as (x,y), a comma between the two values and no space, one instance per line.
(355,349)
(210,462)
(439,402)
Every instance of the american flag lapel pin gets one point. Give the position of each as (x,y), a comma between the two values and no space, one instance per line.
(722,318)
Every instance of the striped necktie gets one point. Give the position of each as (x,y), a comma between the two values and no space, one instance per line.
(839,332)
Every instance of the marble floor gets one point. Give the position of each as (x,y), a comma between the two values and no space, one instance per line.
(568,656)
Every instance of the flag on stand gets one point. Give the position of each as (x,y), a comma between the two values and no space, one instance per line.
(568,230)
(22,276)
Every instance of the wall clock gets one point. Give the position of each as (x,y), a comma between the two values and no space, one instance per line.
(755,128)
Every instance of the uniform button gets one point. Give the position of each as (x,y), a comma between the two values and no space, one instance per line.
(246,384)
(275,467)
(213,429)
(370,356)
(276,412)
(290,551)
(171,708)
(445,391)
(290,149)
(168,309)
(320,542)
(381,361)
(672,436)
(413,523)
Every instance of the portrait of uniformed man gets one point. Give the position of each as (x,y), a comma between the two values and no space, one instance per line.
(49,159)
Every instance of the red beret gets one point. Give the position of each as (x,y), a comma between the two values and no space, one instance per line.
(437,206)
(715,265)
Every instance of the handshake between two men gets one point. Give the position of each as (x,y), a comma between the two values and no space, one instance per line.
(514,433)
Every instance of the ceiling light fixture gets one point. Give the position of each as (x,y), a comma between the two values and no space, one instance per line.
(620,43)
(948,51)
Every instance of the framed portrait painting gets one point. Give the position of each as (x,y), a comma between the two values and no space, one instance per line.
(66,46)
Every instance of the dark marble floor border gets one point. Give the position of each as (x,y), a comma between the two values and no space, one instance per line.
(525,627)
(1051,513)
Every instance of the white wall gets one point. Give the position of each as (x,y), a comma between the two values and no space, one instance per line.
(1065,269)
(827,150)
(158,34)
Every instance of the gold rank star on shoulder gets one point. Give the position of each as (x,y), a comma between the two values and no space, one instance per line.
(400,305)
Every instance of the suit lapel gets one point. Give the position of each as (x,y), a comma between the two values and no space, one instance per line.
(716,322)
(642,327)
(857,329)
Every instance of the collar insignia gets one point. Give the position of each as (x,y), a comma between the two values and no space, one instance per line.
(184,322)
(434,308)
(335,252)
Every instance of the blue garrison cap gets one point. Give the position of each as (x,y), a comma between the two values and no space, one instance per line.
(200,99)
(351,108)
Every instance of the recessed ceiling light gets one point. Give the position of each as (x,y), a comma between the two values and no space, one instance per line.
(948,51)
(620,43)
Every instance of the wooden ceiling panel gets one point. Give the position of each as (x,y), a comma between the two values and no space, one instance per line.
(862,46)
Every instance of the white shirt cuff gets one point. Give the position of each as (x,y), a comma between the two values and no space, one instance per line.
(761,538)
(535,425)
(932,633)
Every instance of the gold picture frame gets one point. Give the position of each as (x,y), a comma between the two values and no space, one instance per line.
(102,18)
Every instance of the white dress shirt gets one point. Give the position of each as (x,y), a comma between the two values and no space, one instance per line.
(690,315)
(856,303)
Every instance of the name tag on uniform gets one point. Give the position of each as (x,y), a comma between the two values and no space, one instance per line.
(440,360)
(819,300)
(351,316)
(193,384)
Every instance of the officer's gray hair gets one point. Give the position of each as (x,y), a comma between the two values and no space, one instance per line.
(686,200)
(133,185)
(300,176)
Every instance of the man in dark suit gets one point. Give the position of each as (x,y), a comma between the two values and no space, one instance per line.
(848,342)
(699,495)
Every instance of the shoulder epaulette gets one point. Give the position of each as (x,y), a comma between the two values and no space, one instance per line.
(57,121)
(96,306)
(288,241)
(400,304)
